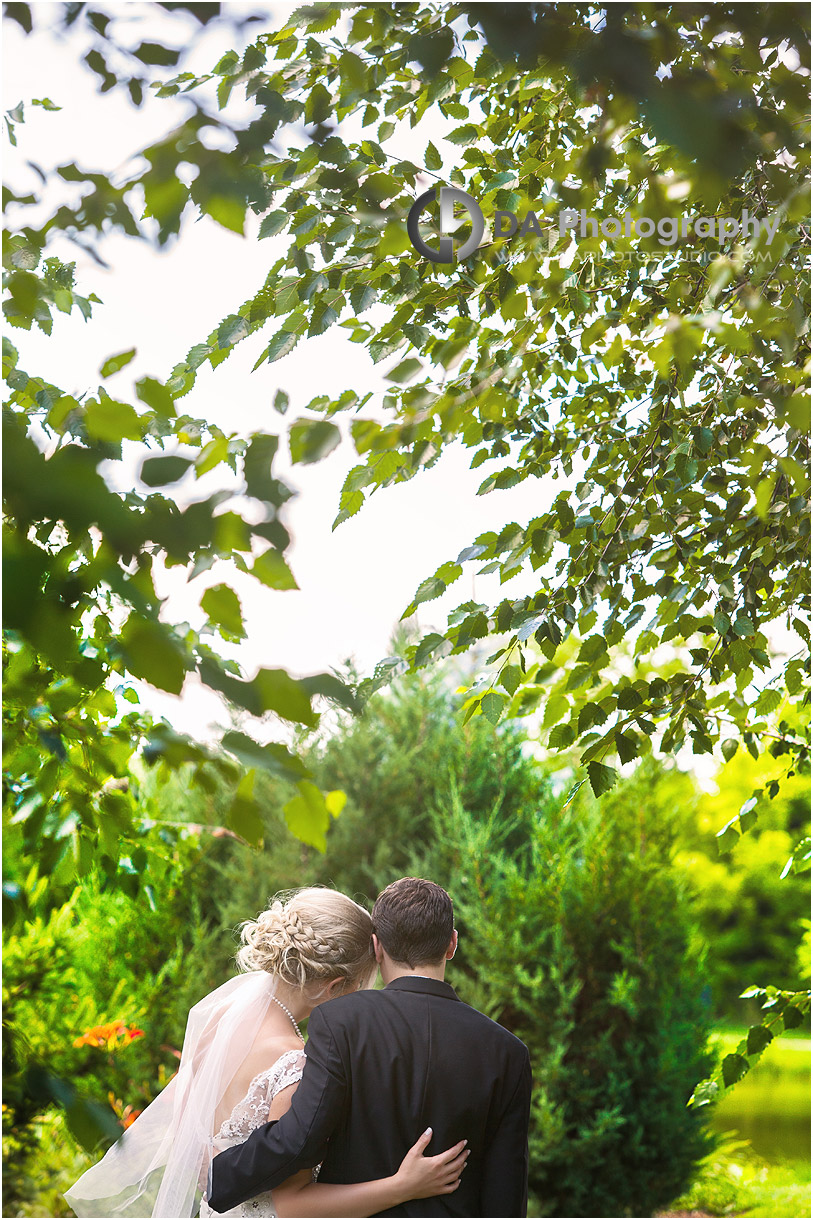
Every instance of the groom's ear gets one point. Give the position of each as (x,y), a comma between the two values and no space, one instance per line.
(450,952)
(377,949)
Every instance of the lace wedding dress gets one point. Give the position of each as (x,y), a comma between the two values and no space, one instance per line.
(252,1112)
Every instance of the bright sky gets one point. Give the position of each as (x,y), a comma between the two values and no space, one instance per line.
(354,583)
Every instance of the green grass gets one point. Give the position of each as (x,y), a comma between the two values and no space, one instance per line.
(732,1181)
(771,1105)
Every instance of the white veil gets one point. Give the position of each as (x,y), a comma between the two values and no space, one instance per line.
(161,1163)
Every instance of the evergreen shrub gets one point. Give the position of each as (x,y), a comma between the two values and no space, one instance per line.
(579,941)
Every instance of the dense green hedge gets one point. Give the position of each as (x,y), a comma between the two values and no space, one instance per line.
(580,941)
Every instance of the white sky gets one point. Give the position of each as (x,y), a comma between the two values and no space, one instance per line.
(354,583)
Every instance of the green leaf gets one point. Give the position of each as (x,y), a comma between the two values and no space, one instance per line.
(727,838)
(307,816)
(278,692)
(260,454)
(158,471)
(591,714)
(155,54)
(273,757)
(747,815)
(273,223)
(758,1038)
(574,792)
(795,672)
(108,420)
(514,307)
(593,647)
(467,134)
(319,105)
(706,1093)
(335,802)
(244,813)
(799,861)
(722,623)
(510,678)
(431,645)
(602,778)
(561,736)
(556,707)
(227,210)
(331,688)
(222,606)
(211,455)
(271,569)
(25,257)
(157,396)
(427,591)
(362,296)
(231,330)
(734,1068)
(323,317)
(312,440)
(431,49)
(743,625)
(404,371)
(729,748)
(491,705)
(151,653)
(627,746)
(432,159)
(768,702)
(113,363)
(704,440)
(506,177)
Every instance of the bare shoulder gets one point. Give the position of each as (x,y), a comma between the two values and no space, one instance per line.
(274,1047)
(272,1042)
(267,1052)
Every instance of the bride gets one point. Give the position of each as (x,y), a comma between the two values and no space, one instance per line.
(241,1062)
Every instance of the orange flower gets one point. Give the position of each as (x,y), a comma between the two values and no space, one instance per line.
(125,1114)
(109,1036)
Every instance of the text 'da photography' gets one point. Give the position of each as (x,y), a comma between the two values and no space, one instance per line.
(406,609)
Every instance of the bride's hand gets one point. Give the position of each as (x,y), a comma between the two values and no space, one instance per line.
(422,1177)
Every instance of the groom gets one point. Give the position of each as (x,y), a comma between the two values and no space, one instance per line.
(384,1065)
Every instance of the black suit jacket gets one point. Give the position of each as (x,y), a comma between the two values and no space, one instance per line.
(382,1066)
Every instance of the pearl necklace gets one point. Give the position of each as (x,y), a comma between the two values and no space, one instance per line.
(290,1017)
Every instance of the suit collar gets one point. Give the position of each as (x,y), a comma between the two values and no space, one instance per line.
(411,982)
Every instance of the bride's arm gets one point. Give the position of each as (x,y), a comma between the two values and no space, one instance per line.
(418,1177)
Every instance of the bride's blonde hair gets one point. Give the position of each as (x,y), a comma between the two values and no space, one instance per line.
(310,936)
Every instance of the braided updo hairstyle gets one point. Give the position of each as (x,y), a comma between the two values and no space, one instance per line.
(310,936)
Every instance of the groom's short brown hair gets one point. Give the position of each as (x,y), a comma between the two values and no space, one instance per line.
(414,921)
